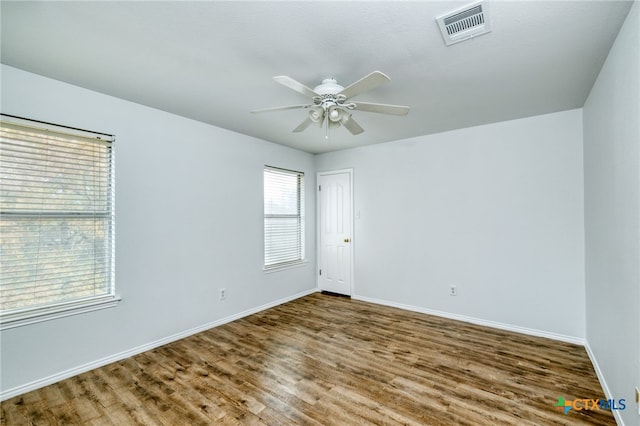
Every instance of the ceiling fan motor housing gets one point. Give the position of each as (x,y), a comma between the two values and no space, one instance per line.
(329,86)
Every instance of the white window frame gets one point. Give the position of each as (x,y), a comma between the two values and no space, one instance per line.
(300,258)
(19,316)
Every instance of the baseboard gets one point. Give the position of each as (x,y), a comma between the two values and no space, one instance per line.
(477,321)
(603,382)
(37,384)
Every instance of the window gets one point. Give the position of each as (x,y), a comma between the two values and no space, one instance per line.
(56,221)
(283,217)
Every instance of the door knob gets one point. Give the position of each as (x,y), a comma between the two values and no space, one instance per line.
(346,240)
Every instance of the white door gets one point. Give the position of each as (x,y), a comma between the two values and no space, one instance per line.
(335,254)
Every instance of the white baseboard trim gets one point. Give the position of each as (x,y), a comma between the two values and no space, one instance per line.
(477,321)
(37,384)
(603,382)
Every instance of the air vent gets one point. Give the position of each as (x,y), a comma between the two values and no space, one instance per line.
(465,23)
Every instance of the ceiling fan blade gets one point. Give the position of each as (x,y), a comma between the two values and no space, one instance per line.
(295,85)
(367,82)
(351,125)
(382,108)
(302,125)
(256,111)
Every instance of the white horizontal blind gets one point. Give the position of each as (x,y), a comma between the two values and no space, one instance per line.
(283,217)
(57,217)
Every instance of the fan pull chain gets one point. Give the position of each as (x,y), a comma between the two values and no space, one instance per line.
(326,132)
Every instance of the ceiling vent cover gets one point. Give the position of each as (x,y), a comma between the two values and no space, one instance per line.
(465,23)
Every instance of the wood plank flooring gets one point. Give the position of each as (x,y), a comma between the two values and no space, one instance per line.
(326,360)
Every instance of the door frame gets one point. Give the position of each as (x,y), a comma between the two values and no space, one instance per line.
(352,223)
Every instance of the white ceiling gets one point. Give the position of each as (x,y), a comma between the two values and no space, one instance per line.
(213,61)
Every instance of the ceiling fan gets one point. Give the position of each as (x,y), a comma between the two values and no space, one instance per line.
(331,104)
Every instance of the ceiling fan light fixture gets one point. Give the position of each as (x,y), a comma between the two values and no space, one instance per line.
(333,124)
(316,114)
(335,114)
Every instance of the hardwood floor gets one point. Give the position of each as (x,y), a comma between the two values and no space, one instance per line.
(329,360)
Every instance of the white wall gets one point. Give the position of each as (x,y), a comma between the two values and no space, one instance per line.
(612,217)
(496,210)
(189,202)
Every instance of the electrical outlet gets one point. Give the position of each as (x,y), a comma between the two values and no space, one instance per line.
(223,293)
(453,290)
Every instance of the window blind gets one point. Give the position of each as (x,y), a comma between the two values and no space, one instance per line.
(283,217)
(56,217)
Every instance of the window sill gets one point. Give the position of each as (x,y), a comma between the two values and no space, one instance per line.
(284,267)
(19,319)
